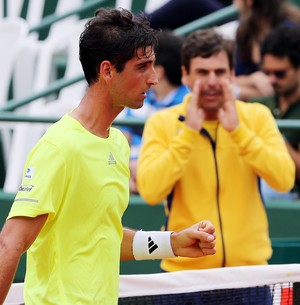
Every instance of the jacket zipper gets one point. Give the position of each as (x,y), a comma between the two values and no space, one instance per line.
(214,146)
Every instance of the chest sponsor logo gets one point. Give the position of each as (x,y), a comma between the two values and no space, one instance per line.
(26,188)
(29,173)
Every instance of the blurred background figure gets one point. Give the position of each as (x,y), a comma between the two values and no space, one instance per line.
(176,13)
(257,18)
(206,156)
(280,54)
(168,92)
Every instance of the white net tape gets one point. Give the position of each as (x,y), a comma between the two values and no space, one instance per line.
(209,279)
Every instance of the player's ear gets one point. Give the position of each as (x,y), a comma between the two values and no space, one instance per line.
(106,69)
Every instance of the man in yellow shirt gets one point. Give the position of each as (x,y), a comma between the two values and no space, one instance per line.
(75,187)
(206,157)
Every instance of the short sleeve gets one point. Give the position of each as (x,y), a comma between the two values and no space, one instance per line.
(43,183)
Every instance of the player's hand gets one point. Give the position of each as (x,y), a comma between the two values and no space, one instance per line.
(195,241)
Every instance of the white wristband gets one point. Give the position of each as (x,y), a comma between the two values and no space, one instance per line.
(152,245)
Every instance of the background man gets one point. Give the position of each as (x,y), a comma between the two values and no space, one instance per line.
(208,162)
(280,53)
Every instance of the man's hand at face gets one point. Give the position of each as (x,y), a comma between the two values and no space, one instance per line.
(227,115)
(195,115)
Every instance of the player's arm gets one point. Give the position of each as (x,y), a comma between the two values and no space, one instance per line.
(196,241)
(16,237)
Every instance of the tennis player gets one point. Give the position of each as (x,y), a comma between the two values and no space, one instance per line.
(75,189)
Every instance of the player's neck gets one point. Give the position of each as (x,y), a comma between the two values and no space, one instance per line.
(95,114)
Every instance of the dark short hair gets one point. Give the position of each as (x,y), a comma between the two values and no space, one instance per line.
(114,35)
(168,55)
(205,43)
(283,41)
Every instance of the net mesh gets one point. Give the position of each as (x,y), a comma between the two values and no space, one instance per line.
(254,285)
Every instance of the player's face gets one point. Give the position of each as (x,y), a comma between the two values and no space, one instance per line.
(283,76)
(131,85)
(210,71)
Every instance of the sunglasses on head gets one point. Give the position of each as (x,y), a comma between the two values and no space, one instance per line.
(276,73)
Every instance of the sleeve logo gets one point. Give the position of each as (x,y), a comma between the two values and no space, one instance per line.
(29,173)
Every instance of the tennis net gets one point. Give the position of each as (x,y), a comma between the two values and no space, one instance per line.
(250,285)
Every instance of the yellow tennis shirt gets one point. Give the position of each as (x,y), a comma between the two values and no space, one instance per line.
(81,182)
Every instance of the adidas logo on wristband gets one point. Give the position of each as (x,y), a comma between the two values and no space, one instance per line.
(152,246)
